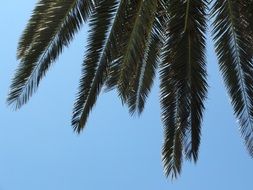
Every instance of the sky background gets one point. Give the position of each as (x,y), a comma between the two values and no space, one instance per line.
(38,149)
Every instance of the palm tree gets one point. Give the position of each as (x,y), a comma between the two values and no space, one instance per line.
(129,41)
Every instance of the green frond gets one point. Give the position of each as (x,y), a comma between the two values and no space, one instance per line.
(183,77)
(60,24)
(139,51)
(197,85)
(148,72)
(147,69)
(39,12)
(153,56)
(135,50)
(95,63)
(128,13)
(173,165)
(246,14)
(235,61)
(171,154)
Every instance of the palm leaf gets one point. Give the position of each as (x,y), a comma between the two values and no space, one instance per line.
(95,63)
(172,149)
(63,19)
(135,50)
(146,72)
(173,165)
(128,14)
(33,26)
(235,62)
(246,14)
(183,80)
(143,58)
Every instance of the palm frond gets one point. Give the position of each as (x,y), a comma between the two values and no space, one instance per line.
(183,79)
(171,153)
(39,12)
(246,14)
(95,63)
(197,75)
(143,81)
(147,74)
(128,14)
(235,61)
(135,50)
(140,58)
(56,30)
(172,157)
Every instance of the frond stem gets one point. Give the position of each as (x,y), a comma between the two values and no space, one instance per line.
(187,15)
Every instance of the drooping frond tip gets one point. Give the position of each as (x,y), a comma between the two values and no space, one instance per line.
(95,63)
(231,33)
(50,29)
(183,82)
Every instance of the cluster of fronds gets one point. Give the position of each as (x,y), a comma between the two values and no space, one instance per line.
(129,40)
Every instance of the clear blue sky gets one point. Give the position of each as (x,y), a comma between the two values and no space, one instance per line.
(39,151)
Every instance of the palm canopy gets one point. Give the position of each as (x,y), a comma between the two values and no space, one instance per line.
(129,41)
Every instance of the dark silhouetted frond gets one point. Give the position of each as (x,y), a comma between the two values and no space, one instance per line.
(147,69)
(135,50)
(62,20)
(95,63)
(129,12)
(183,81)
(137,56)
(33,26)
(235,61)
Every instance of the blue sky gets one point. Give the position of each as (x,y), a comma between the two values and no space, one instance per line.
(38,149)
